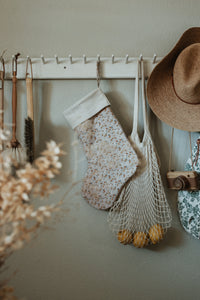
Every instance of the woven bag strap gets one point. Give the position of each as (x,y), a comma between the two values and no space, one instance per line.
(136,104)
(140,71)
(144,103)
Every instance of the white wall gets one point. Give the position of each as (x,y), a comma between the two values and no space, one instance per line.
(79,258)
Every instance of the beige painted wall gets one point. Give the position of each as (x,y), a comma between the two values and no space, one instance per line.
(79,258)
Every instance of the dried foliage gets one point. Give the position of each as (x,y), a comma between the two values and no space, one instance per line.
(19,216)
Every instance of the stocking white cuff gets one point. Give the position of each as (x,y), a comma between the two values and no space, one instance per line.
(86,108)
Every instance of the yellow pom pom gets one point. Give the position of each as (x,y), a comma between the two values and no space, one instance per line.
(156,233)
(140,239)
(125,236)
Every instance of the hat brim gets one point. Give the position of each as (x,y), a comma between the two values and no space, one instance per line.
(160,92)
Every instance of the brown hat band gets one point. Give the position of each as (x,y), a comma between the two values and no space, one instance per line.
(178,95)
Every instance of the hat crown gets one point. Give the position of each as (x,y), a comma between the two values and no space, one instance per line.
(186,74)
(173,88)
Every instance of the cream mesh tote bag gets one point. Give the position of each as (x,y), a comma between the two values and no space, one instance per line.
(141,214)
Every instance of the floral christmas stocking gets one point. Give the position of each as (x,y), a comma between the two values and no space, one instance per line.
(111,159)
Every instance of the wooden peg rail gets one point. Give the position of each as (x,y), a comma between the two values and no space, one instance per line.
(80,68)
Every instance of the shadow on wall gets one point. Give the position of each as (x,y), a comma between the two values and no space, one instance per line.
(161,135)
(124,109)
(46,129)
(173,239)
(120,108)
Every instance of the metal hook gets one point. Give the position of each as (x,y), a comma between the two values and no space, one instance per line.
(98,58)
(113,59)
(84,59)
(3,65)
(2,61)
(70,59)
(2,54)
(154,58)
(141,57)
(14,63)
(29,61)
(56,58)
(127,57)
(42,58)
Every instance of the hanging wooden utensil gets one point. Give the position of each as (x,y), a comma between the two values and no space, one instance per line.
(15,149)
(29,121)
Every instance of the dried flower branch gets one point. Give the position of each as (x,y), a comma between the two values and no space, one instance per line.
(19,218)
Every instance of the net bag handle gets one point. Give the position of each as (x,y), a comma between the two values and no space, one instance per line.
(140,70)
(144,104)
(134,132)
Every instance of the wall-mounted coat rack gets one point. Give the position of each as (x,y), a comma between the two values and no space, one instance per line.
(81,67)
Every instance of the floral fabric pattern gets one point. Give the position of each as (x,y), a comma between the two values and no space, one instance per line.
(111,159)
(189,202)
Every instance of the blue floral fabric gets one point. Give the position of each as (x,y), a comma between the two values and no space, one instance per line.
(189,201)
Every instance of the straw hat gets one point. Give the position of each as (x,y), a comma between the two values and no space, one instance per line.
(173,88)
